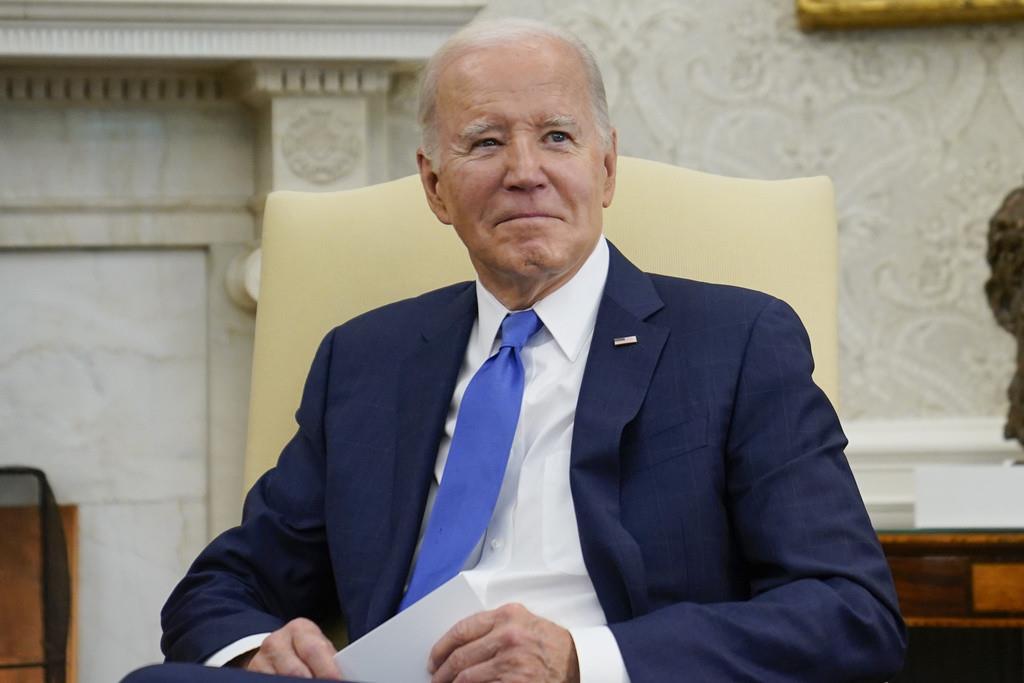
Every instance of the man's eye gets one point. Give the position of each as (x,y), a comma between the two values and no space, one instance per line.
(486,142)
(558,136)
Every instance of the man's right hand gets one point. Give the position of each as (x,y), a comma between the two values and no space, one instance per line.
(299,649)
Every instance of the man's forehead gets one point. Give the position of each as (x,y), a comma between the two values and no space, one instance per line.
(531,63)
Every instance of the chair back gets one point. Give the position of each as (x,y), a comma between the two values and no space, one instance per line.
(328,257)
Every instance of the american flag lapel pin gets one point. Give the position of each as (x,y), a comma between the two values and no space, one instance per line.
(624,341)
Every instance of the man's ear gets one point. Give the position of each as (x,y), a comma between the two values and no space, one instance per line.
(430,181)
(611,160)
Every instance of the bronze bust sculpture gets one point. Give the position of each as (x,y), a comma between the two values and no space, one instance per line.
(1005,290)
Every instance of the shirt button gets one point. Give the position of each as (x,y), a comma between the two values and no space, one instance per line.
(497,544)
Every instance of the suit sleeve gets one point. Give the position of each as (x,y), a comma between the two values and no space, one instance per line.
(822,605)
(272,568)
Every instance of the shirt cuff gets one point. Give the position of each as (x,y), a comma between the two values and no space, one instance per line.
(598,655)
(239,647)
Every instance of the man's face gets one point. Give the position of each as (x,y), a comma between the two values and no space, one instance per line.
(520,169)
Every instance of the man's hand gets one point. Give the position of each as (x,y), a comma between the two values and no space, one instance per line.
(300,649)
(508,644)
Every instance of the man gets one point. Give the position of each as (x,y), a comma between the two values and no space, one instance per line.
(674,503)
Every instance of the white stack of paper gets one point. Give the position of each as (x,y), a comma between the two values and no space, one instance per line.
(969,496)
(397,650)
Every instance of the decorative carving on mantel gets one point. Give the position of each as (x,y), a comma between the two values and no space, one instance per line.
(1006,294)
(320,146)
(262,81)
(230,30)
(70,84)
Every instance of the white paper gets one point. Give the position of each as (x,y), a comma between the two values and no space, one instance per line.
(397,650)
(968,496)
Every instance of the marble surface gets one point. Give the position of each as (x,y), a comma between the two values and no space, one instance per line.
(103,372)
(86,152)
(85,175)
(131,556)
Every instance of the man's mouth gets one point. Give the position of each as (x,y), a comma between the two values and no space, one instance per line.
(523,215)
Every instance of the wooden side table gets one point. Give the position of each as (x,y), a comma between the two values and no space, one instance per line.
(957,579)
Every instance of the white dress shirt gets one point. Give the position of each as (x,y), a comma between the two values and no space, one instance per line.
(531,551)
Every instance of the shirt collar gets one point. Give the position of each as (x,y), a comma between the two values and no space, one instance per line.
(568,313)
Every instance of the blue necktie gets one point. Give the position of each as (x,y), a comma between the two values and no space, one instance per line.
(476,461)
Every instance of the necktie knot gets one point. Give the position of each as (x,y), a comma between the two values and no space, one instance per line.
(517,328)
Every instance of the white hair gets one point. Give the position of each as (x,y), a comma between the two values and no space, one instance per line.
(484,34)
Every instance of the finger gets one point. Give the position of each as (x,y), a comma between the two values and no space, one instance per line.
(259,664)
(495,669)
(317,652)
(467,630)
(277,653)
(287,663)
(467,657)
(279,663)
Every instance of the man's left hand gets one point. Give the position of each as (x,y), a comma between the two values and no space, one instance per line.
(509,644)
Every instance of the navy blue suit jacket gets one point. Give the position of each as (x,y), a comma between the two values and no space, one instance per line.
(717,514)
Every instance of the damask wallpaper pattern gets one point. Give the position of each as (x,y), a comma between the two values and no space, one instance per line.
(922,131)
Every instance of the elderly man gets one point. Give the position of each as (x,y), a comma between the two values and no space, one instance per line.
(635,472)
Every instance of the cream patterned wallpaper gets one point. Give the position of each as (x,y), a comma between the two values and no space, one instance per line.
(922,131)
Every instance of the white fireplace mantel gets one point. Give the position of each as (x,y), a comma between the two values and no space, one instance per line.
(229,30)
(138,139)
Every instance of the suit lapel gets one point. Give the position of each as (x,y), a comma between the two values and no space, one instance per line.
(427,380)
(614,386)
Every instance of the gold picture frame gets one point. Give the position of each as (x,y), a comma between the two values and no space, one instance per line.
(832,14)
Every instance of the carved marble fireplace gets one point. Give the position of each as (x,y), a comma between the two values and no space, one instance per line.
(137,142)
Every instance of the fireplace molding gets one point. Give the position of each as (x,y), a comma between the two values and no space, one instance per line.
(228,30)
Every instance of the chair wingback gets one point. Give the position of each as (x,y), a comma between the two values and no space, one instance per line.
(330,256)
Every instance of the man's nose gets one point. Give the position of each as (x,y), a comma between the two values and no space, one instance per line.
(523,167)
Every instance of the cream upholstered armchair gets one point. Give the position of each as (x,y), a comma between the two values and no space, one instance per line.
(330,256)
